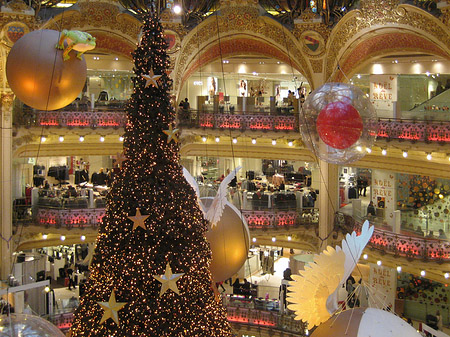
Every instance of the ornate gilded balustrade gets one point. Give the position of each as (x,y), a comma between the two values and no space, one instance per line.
(390,129)
(280,219)
(408,246)
(69,218)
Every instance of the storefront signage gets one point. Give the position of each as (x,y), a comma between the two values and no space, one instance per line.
(383,91)
(383,284)
(383,194)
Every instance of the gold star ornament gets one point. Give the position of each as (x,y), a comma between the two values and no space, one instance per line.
(168,281)
(151,79)
(111,309)
(138,219)
(171,134)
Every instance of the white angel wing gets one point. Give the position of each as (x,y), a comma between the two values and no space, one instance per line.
(353,247)
(191,180)
(310,290)
(215,211)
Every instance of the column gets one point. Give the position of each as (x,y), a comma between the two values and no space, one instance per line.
(5,185)
(328,200)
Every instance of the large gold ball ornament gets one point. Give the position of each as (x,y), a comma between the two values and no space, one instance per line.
(229,241)
(39,76)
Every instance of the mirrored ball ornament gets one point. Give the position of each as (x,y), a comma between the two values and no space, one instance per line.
(27,326)
(338,123)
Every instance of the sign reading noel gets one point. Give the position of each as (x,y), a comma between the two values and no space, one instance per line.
(383,284)
(383,91)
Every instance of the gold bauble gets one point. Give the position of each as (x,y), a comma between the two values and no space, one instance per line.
(39,76)
(229,241)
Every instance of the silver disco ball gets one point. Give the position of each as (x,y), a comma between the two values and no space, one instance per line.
(22,325)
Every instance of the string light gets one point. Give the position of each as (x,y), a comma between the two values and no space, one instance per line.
(217,139)
(83,238)
(368,150)
(289,238)
(405,154)
(359,148)
(365,257)
(290,143)
(422,273)
(234,140)
(44,236)
(204,139)
(102,139)
(446,275)
(384,152)
(274,239)
(379,262)
(120,139)
(63,237)
(399,269)
(43,139)
(254,141)
(274,142)
(429,156)
(81,139)
(61,139)
(254,239)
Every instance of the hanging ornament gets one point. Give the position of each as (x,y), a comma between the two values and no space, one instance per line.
(111,309)
(168,280)
(338,123)
(138,219)
(152,79)
(38,75)
(171,134)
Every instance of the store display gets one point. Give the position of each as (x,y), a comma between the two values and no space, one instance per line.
(330,125)
(229,241)
(365,322)
(39,76)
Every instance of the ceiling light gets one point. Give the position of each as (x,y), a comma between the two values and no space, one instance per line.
(254,239)
(405,154)
(117,59)
(44,236)
(384,152)
(47,289)
(81,139)
(427,73)
(63,237)
(217,139)
(359,148)
(274,142)
(120,139)
(429,156)
(422,273)
(365,257)
(254,142)
(274,239)
(369,150)
(177,9)
(102,139)
(290,143)
(289,238)
(399,269)
(359,76)
(43,139)
(446,275)
(379,262)
(61,139)
(204,139)
(83,238)
(234,140)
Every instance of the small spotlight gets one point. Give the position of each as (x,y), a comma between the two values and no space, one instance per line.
(254,142)
(234,140)
(217,139)
(102,139)
(177,9)
(289,238)
(204,139)
(81,139)
(368,150)
(429,156)
(43,139)
(290,143)
(359,148)
(365,257)
(405,154)
(120,139)
(384,152)
(379,262)
(446,275)
(422,273)
(83,237)
(274,239)
(399,269)
(61,139)
(254,239)
(116,59)
(274,142)
(47,289)
(427,73)
(44,236)
(359,76)
(63,237)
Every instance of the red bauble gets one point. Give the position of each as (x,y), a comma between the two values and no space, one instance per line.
(339,125)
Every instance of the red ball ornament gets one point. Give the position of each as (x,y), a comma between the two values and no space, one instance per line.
(339,125)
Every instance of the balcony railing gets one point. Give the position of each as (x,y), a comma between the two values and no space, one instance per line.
(389,129)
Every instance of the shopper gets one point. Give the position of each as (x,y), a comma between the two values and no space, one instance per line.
(371,209)
(442,235)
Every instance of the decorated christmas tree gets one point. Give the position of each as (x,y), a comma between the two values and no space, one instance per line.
(150,271)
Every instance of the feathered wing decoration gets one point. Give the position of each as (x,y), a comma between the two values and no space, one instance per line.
(353,247)
(215,211)
(191,180)
(309,291)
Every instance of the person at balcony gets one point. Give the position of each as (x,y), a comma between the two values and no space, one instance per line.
(419,231)
(184,110)
(430,235)
(245,288)
(69,274)
(99,178)
(371,209)
(442,235)
(71,192)
(237,287)
(290,98)
(46,185)
(439,320)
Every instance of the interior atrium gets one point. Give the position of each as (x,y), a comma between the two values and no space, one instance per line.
(241,73)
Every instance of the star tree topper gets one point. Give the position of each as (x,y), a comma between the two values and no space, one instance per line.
(151,78)
(111,309)
(138,219)
(171,134)
(168,280)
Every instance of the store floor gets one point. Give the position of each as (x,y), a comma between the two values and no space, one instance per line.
(365,200)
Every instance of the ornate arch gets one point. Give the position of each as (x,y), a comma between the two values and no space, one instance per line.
(114,30)
(237,29)
(378,29)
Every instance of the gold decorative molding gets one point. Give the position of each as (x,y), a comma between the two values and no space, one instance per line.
(316,65)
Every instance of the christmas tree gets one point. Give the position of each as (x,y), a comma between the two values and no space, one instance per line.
(150,271)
